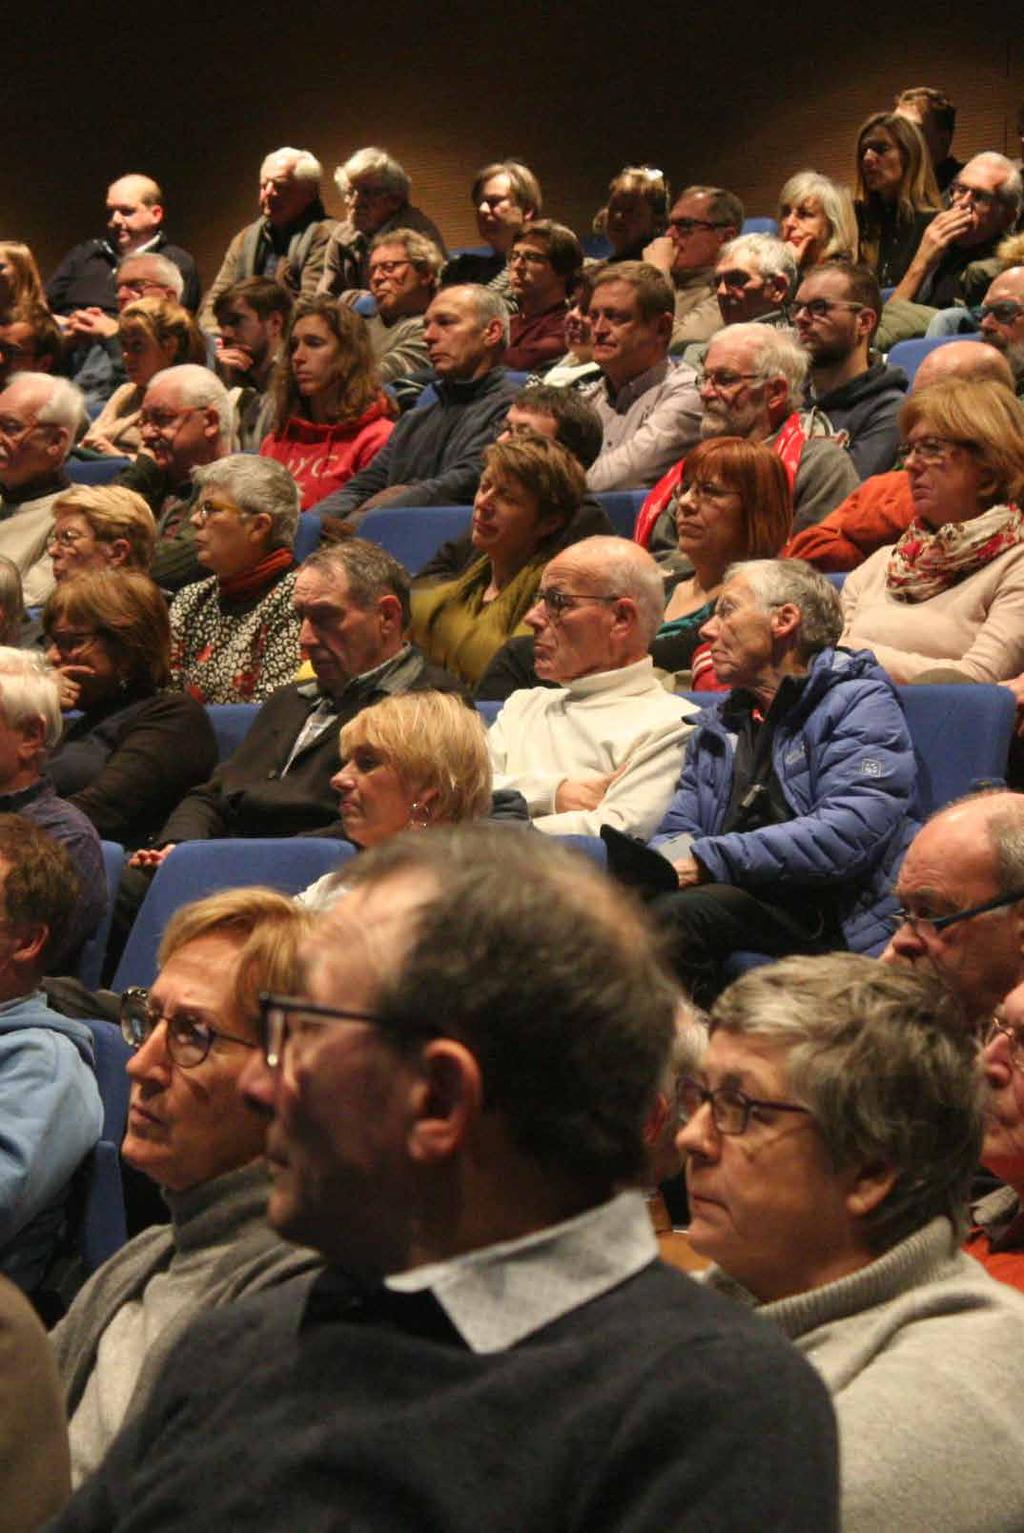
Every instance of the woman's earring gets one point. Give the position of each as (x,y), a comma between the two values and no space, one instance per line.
(419,815)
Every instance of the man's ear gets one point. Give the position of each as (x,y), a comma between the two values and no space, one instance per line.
(30,943)
(275,323)
(211,421)
(33,738)
(785,620)
(776,288)
(447,1098)
(60,444)
(118,552)
(868,1187)
(389,609)
(776,392)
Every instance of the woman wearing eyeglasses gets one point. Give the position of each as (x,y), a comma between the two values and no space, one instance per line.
(98,527)
(133,749)
(235,635)
(154,333)
(897,196)
(331,418)
(950,594)
(831,1138)
(530,489)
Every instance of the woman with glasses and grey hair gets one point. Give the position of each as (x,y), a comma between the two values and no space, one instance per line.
(831,1136)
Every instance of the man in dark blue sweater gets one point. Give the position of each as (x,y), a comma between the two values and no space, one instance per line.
(455,1117)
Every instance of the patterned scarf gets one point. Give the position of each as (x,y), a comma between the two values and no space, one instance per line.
(925,562)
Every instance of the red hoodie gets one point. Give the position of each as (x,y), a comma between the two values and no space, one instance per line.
(321,458)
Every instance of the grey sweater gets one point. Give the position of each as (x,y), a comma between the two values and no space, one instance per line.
(923,1354)
(113,1341)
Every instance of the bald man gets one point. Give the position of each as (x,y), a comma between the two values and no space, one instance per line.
(135,216)
(879,511)
(1002,320)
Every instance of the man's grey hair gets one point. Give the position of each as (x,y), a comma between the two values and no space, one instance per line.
(1011,191)
(623,568)
(770,257)
(199,388)
(420,250)
(487,305)
(883,1058)
(29,690)
(372,161)
(776,354)
(370,572)
(65,407)
(778,581)
(257,485)
(723,207)
(167,274)
(305,166)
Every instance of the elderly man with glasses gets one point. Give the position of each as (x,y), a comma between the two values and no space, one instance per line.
(1002,320)
(41,417)
(996,1238)
(376,191)
(702,220)
(956,259)
(192,1134)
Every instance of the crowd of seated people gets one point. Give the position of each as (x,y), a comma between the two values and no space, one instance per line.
(727,402)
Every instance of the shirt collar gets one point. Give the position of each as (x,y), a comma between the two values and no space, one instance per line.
(382,679)
(630,392)
(498,1296)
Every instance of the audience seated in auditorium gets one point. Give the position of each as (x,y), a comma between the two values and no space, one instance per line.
(897,197)
(604,746)
(376,192)
(97,527)
(235,636)
(192,1133)
(956,260)
(403,273)
(1002,320)
(505,196)
(793,809)
(330,417)
(702,220)
(288,241)
(84,280)
(459,1165)
(836,314)
(636,212)
(49,1100)
(252,316)
(29,343)
(831,1139)
(30,726)
(647,402)
(544,264)
(995,1237)
(433,457)
(935,115)
(133,748)
(152,334)
(186,423)
(751,385)
(41,417)
(816,219)
(530,490)
(94,356)
(950,594)
(879,510)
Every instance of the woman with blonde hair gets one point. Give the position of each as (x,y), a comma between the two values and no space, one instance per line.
(154,333)
(816,219)
(97,527)
(897,196)
(636,211)
(21,286)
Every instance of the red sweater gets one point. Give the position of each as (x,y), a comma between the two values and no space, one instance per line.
(321,458)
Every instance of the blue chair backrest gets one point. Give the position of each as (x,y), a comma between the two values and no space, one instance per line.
(103,1228)
(90,960)
(589,846)
(95,470)
(760,226)
(231,723)
(910,354)
(413,534)
(473,250)
(836,578)
(366,305)
(961,738)
(111,1054)
(196,868)
(488,711)
(596,246)
(307,535)
(622,507)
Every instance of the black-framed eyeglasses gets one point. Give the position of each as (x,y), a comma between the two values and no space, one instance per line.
(687,225)
(730,1107)
(1013,1035)
(820,308)
(557,603)
(903,917)
(960,192)
(189,1037)
(282,1016)
(719,378)
(1005,311)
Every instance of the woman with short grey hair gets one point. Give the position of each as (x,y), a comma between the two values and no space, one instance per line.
(831,1134)
(235,636)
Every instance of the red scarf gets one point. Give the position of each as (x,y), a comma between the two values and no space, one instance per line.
(257,579)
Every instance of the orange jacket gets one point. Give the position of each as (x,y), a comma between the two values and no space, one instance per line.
(877,513)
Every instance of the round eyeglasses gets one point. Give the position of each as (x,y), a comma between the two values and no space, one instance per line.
(189,1036)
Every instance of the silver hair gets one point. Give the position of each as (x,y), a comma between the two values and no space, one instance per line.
(777,353)
(65,407)
(623,568)
(12,599)
(372,161)
(29,690)
(778,581)
(837,206)
(420,250)
(487,305)
(305,166)
(1011,191)
(200,388)
(257,485)
(167,274)
(884,1060)
(769,256)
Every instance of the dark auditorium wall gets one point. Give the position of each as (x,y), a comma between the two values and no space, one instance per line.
(737,93)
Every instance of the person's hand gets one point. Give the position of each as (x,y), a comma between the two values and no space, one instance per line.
(235,359)
(586,792)
(661,252)
(689,872)
(100,443)
(91,324)
(150,856)
(69,685)
(944,229)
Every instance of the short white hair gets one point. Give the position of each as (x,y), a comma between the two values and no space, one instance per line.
(374,162)
(776,353)
(64,407)
(167,274)
(201,389)
(29,690)
(305,165)
(770,257)
(1011,191)
(257,485)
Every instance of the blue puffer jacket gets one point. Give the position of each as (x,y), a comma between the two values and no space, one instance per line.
(845,762)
